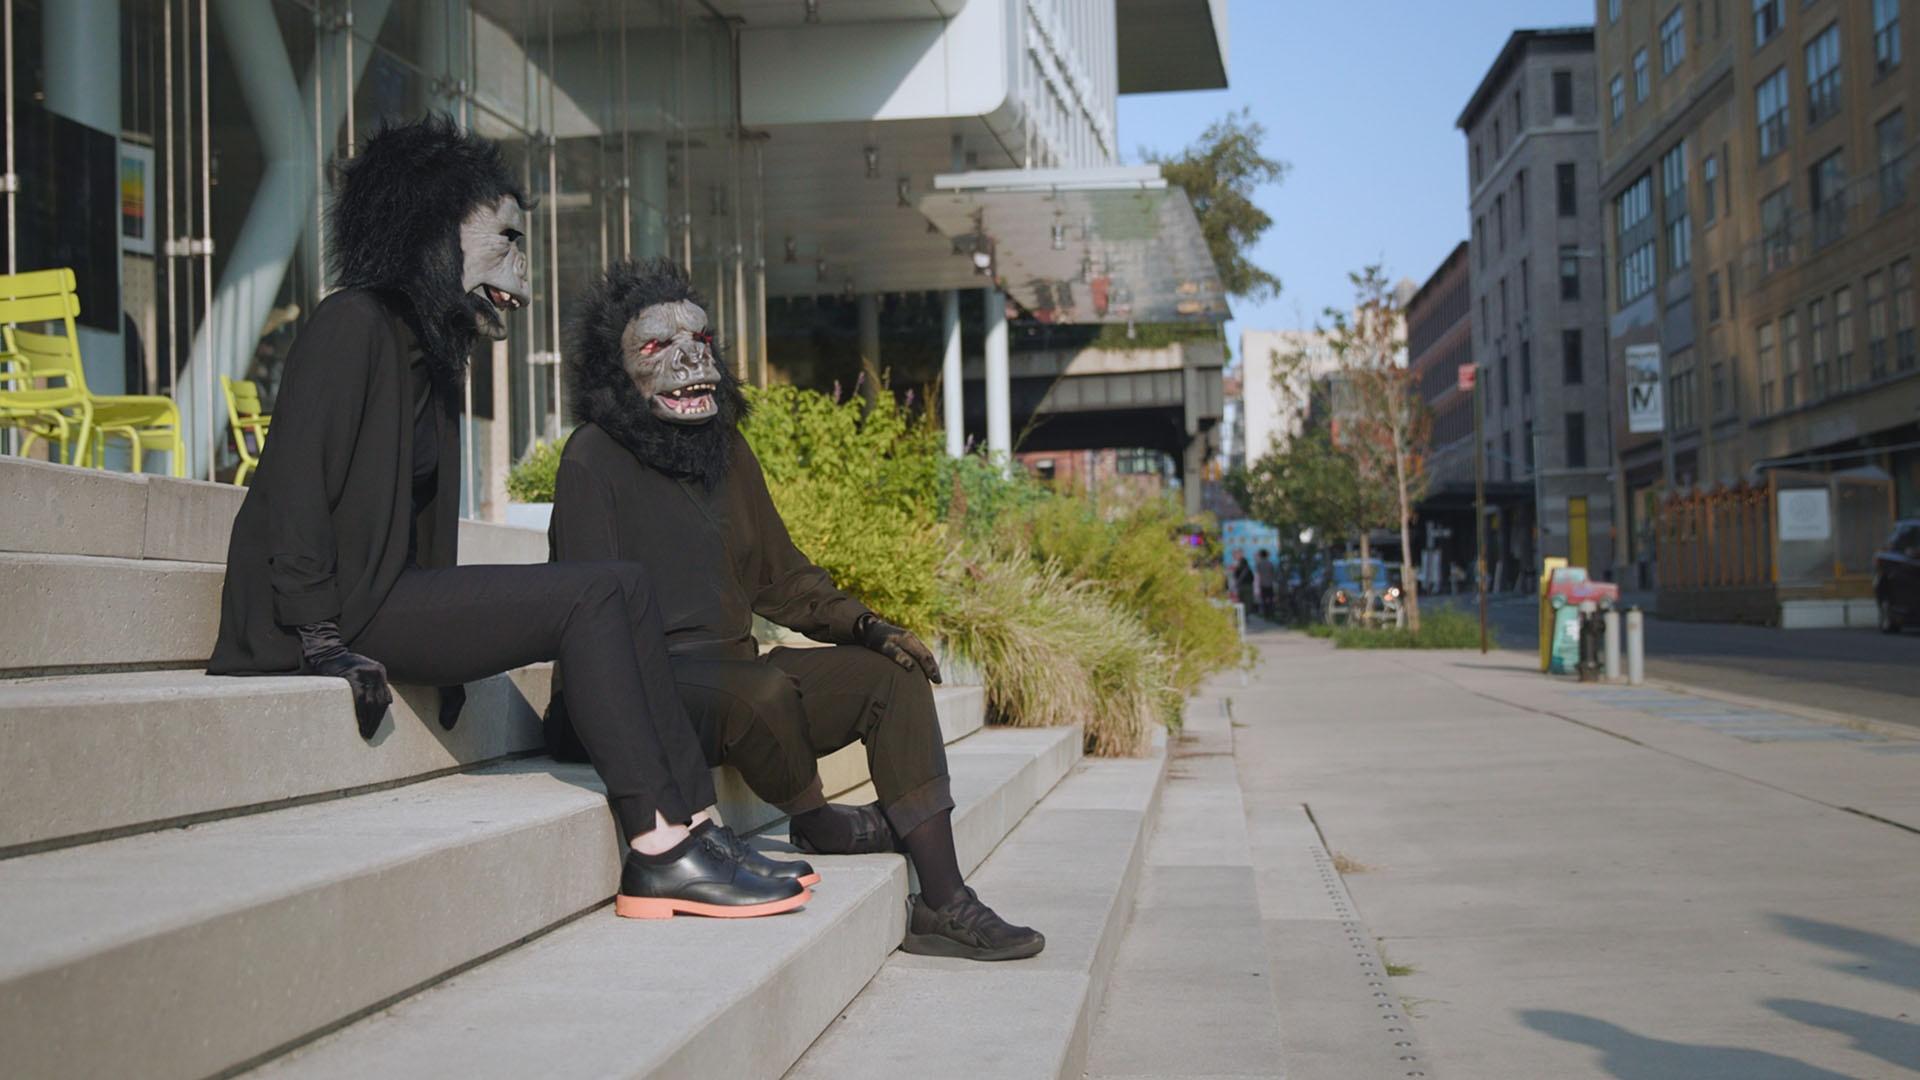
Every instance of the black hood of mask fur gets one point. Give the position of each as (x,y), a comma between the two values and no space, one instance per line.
(601,392)
(394,226)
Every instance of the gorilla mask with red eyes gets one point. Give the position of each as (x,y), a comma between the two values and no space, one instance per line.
(427,215)
(642,364)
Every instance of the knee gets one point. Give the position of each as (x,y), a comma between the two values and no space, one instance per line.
(612,585)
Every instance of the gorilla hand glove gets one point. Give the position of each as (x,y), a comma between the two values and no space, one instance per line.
(326,654)
(896,644)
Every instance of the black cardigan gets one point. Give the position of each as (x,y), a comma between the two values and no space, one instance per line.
(717,557)
(323,532)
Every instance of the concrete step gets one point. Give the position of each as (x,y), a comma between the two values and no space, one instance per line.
(687,998)
(85,612)
(104,754)
(1069,869)
(96,755)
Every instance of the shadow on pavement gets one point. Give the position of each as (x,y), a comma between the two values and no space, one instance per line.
(1875,956)
(1629,1056)
(1893,1041)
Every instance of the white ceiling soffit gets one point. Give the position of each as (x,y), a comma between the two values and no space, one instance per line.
(794,12)
(1084,245)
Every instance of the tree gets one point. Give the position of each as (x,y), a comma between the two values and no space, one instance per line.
(1220,172)
(1382,421)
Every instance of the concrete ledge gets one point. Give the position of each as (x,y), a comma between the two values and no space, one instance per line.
(687,998)
(95,753)
(81,612)
(485,543)
(1069,869)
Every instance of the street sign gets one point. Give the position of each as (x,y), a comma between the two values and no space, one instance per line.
(1646,411)
(1466,378)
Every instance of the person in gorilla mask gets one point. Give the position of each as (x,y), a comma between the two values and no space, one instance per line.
(342,560)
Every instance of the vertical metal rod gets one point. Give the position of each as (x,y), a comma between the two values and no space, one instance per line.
(1611,620)
(1480,504)
(626,146)
(168,260)
(1636,648)
(553,237)
(952,384)
(319,166)
(206,252)
(346,33)
(13,179)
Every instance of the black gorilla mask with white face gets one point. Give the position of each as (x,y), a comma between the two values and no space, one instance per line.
(669,356)
(493,267)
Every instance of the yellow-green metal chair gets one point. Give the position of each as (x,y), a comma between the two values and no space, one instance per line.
(145,421)
(43,405)
(248,424)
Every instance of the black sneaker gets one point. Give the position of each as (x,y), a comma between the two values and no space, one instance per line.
(778,869)
(705,879)
(868,826)
(967,929)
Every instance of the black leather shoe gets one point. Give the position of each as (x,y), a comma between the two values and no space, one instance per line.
(967,929)
(872,835)
(778,869)
(705,880)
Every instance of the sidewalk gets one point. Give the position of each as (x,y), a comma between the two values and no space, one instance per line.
(1587,882)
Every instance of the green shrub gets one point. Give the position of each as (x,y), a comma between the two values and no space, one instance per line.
(532,478)
(1056,651)
(857,487)
(1440,628)
(978,496)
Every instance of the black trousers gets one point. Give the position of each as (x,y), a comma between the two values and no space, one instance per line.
(601,623)
(773,717)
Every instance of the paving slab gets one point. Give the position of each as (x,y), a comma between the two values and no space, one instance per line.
(1071,872)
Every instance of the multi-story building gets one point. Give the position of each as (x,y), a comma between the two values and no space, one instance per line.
(1533,167)
(1761,239)
(1277,371)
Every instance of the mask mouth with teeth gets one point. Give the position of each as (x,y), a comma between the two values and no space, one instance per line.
(642,364)
(493,266)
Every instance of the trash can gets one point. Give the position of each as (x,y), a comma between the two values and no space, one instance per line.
(1563,656)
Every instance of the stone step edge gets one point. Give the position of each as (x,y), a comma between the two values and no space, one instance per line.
(769,986)
(1046,1005)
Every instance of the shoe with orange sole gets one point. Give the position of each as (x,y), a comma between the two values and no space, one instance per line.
(704,878)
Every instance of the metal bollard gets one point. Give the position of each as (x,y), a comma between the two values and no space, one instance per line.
(1636,649)
(1612,648)
(1590,633)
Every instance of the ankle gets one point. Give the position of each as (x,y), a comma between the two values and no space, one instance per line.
(662,838)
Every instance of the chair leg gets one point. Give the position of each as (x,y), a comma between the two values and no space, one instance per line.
(240,475)
(179,455)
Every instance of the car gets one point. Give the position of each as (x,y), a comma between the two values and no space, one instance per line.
(1343,594)
(1896,578)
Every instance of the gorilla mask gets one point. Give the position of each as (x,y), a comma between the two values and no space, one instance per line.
(428,216)
(641,364)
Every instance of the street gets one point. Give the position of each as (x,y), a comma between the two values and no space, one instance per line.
(1858,672)
(1573,881)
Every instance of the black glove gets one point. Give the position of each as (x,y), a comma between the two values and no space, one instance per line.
(896,644)
(326,654)
(452,700)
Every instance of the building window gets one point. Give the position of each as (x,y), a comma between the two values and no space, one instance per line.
(1886,35)
(1713,296)
(1526,290)
(1526,367)
(1519,114)
(1789,360)
(1476,163)
(1770,106)
(1709,181)
(1733,290)
(1520,200)
(1632,210)
(1642,79)
(1576,440)
(1817,351)
(1566,194)
(1843,339)
(1722,401)
(1506,452)
(1680,386)
(1480,239)
(1506,382)
(1572,364)
(1569,272)
(1504,309)
(1526,441)
(1767,20)
(1890,136)
(1617,96)
(1726,189)
(1496,138)
(1776,228)
(1823,75)
(1500,220)
(1903,346)
(1876,325)
(1673,40)
(1827,190)
(1486,324)
(1613,11)
(1768,377)
(1673,199)
(1563,93)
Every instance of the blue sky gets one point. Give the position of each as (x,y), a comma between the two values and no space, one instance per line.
(1360,99)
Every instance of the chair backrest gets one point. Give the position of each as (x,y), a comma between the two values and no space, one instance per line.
(43,296)
(243,399)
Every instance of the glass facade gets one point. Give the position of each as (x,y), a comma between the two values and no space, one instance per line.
(621,119)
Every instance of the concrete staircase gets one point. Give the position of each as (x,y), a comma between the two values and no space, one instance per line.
(203,876)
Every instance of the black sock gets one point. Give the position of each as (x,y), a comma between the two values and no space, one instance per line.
(827,828)
(672,854)
(930,846)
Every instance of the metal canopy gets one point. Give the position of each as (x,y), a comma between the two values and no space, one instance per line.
(1105,245)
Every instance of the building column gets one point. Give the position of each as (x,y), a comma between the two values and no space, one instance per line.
(77,35)
(999,377)
(952,381)
(869,345)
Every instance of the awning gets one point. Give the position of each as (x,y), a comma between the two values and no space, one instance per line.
(1106,245)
